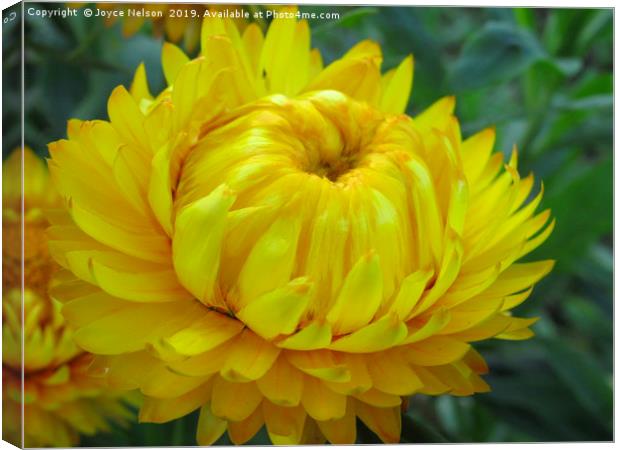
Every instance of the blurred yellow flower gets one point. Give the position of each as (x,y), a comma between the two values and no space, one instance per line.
(276,243)
(60,399)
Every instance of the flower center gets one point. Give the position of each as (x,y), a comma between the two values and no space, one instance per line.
(321,176)
(333,170)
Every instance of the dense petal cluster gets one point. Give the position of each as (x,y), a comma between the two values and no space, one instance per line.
(274,242)
(60,399)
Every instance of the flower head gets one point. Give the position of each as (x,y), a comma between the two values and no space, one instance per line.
(60,399)
(274,242)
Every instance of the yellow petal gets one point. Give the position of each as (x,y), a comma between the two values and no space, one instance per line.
(128,178)
(518,277)
(126,117)
(435,351)
(359,78)
(359,297)
(284,424)
(172,59)
(476,152)
(396,96)
(282,384)
(141,243)
(491,327)
(253,41)
(160,191)
(131,327)
(279,311)
(251,357)
(375,397)
(427,213)
(435,116)
(470,314)
(411,289)
(386,332)
(340,431)
(210,427)
(163,410)
(313,336)
(360,378)
(151,286)
(384,422)
(198,233)
(271,261)
(234,401)
(391,373)
(242,431)
(204,364)
(276,52)
(320,402)
(438,321)
(518,329)
(139,86)
(320,364)
(207,331)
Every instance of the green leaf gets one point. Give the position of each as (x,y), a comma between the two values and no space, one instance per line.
(595,25)
(525,17)
(586,380)
(415,429)
(583,211)
(590,103)
(352,18)
(498,52)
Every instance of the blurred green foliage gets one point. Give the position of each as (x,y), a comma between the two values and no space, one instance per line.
(542,77)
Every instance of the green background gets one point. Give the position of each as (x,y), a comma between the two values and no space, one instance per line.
(543,77)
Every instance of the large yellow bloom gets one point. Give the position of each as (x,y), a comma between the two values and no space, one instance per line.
(277,244)
(60,399)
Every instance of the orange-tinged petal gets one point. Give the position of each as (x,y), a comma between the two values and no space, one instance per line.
(242,431)
(284,424)
(234,401)
(384,422)
(340,431)
(282,384)
(320,402)
(163,410)
(251,357)
(320,364)
(435,351)
(210,427)
(379,399)
(391,373)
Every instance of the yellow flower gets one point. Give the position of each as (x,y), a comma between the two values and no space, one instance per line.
(277,244)
(60,399)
